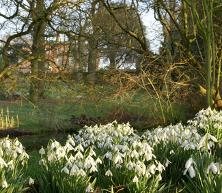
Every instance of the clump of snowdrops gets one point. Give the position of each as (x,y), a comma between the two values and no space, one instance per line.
(176,145)
(210,121)
(13,160)
(104,156)
(114,157)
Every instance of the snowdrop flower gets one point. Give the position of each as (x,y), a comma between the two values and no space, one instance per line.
(140,168)
(4,184)
(152,169)
(14,154)
(214,168)
(68,147)
(78,155)
(42,151)
(118,159)
(160,167)
(2,163)
(89,162)
(11,165)
(130,165)
(71,141)
(79,148)
(172,152)
(81,172)
(65,170)
(134,154)
(191,172)
(51,157)
(73,170)
(55,144)
(16,142)
(19,150)
(189,163)
(148,156)
(118,165)
(168,162)
(205,141)
(99,161)
(135,179)
(60,153)
(6,144)
(109,173)
(91,152)
(93,169)
(89,188)
(31,181)
(189,167)
(42,162)
(108,155)
(124,148)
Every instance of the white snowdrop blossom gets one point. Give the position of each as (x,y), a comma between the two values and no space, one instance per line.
(135,179)
(42,151)
(191,172)
(160,167)
(79,148)
(214,168)
(167,163)
(108,155)
(65,170)
(4,184)
(118,159)
(99,161)
(55,145)
(31,181)
(172,151)
(89,188)
(74,170)
(152,169)
(78,155)
(71,141)
(207,141)
(134,154)
(3,163)
(189,167)
(108,173)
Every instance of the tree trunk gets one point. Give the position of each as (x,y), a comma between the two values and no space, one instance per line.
(92,61)
(92,47)
(38,52)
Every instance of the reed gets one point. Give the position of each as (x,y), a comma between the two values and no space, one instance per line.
(8,121)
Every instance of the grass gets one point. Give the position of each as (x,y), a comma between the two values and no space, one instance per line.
(33,168)
(62,102)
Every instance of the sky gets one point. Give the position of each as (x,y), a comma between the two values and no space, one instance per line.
(153,30)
